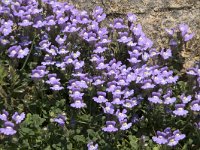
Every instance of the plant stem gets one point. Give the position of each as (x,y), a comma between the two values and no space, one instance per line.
(25,62)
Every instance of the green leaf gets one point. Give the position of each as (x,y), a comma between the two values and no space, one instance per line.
(156,148)
(69,146)
(133,141)
(79,138)
(27,131)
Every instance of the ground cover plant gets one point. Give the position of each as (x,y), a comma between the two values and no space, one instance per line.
(69,79)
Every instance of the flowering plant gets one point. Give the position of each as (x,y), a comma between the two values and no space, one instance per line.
(83,83)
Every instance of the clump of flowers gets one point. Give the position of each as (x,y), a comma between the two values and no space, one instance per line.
(168,137)
(109,70)
(9,126)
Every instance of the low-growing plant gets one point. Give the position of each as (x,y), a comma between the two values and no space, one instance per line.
(71,80)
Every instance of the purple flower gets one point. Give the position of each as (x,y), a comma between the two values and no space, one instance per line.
(109,108)
(75,55)
(61,19)
(102,32)
(22,53)
(93,26)
(169,100)
(195,105)
(166,54)
(111,86)
(170,31)
(133,59)
(167,137)
(98,81)
(91,146)
(99,49)
(78,103)
(178,135)
(125,125)
(185,99)
(131,17)
(118,23)
(117,100)
(155,98)
(13,51)
(39,72)
(62,50)
(180,110)
(4,115)
(197,96)
(44,44)
(128,92)
(52,79)
(78,64)
(183,28)
(110,127)
(172,79)
(145,56)
(68,60)
(6,2)
(137,30)
(50,21)
(36,74)
(173,42)
(121,115)
(48,60)
(98,14)
(76,93)
(61,65)
(147,84)
(60,40)
(104,40)
(8,128)
(100,17)
(101,97)
(122,81)
(188,36)
(97,10)
(25,22)
(83,18)
(117,91)
(53,50)
(18,117)
(192,71)
(3,40)
(91,37)
(130,103)
(56,86)
(172,141)
(38,22)
(124,37)
(130,77)
(5,30)
(60,120)
(160,138)
(82,84)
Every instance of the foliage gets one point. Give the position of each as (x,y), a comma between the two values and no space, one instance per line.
(69,80)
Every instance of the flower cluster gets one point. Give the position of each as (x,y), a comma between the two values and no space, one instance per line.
(114,67)
(9,128)
(168,137)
